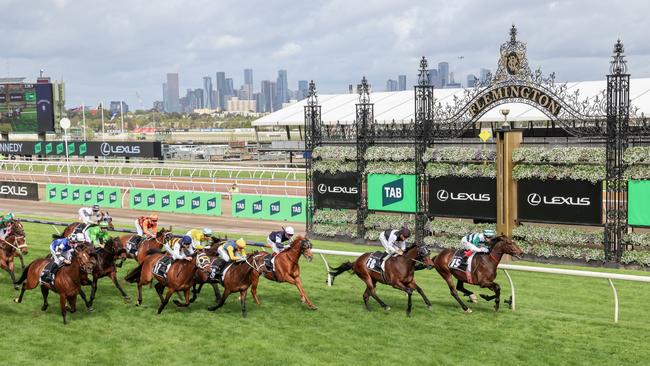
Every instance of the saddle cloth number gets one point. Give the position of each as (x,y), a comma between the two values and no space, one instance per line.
(459,261)
(374,261)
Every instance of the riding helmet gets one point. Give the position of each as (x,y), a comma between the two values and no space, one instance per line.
(241,243)
(289,230)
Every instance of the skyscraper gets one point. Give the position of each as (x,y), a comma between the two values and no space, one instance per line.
(206,96)
(391,85)
(221,90)
(282,92)
(485,76)
(230,88)
(401,79)
(443,73)
(471,80)
(248,83)
(173,102)
(165,97)
(268,95)
(303,89)
(434,79)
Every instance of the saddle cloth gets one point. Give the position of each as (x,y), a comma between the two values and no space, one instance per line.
(133,244)
(225,270)
(269,262)
(376,262)
(162,266)
(48,274)
(462,263)
(80,228)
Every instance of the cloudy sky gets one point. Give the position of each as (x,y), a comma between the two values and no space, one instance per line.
(111,50)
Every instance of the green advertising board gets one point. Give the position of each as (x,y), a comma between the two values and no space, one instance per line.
(276,208)
(638,202)
(198,203)
(391,192)
(105,197)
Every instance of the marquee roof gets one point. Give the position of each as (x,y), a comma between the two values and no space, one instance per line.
(400,107)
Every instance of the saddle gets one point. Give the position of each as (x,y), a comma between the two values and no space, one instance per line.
(80,228)
(48,274)
(269,263)
(133,244)
(375,262)
(460,261)
(162,266)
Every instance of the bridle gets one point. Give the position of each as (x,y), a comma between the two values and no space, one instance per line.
(257,269)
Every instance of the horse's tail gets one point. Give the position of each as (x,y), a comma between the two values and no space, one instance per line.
(134,275)
(57,236)
(23,276)
(338,270)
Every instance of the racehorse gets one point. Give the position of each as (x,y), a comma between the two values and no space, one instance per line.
(399,273)
(201,277)
(238,278)
(157,242)
(104,216)
(179,277)
(15,227)
(67,282)
(288,270)
(10,246)
(105,266)
(484,270)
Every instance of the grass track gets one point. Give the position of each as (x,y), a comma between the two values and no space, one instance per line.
(559,320)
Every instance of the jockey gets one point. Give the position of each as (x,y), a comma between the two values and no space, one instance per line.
(174,250)
(200,238)
(394,241)
(61,249)
(477,242)
(4,221)
(97,235)
(147,225)
(277,239)
(231,251)
(89,215)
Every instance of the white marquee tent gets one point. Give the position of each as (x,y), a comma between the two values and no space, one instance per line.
(400,107)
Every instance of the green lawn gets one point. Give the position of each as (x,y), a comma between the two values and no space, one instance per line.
(559,320)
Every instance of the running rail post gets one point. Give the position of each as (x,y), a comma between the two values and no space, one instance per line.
(615,300)
(327,269)
(512,291)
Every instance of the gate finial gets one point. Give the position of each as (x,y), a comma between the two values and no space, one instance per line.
(364,91)
(423,73)
(312,98)
(513,34)
(618,64)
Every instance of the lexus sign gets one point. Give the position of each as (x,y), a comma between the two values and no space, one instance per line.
(19,191)
(335,190)
(83,148)
(566,201)
(473,198)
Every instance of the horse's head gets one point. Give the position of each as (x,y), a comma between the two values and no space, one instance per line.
(16,231)
(165,235)
(424,255)
(256,261)
(506,246)
(84,256)
(115,247)
(305,246)
(107,218)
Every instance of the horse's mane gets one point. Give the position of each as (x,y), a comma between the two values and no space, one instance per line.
(297,239)
(410,247)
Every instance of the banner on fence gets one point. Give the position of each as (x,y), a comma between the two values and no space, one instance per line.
(19,191)
(335,190)
(105,197)
(463,197)
(268,207)
(391,192)
(83,148)
(564,201)
(198,203)
(638,202)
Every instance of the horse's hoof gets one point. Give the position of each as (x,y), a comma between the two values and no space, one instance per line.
(312,307)
(43,308)
(178,303)
(468,311)
(16,287)
(138,303)
(90,309)
(212,308)
(127,300)
(429,307)
(387,308)
(16,301)
(473,298)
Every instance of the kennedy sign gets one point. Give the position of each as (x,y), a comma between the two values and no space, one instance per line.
(473,198)
(565,201)
(83,148)
(19,191)
(536,96)
(335,190)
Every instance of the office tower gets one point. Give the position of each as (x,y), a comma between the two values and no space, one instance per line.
(485,76)
(220,90)
(282,92)
(268,98)
(206,96)
(303,89)
(199,99)
(165,97)
(443,73)
(434,80)
(173,101)
(401,79)
(248,84)
(471,80)
(391,85)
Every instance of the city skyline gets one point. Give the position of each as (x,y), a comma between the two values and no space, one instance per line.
(134,49)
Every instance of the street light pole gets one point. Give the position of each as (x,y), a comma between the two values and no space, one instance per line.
(122,118)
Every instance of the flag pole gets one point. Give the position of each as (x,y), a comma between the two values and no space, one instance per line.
(101,110)
(83,117)
(122,118)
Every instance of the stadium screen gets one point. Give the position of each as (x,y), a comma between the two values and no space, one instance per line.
(26,108)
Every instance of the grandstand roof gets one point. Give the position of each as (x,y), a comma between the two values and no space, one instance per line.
(400,107)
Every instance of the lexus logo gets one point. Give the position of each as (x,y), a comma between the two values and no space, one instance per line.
(534,199)
(322,188)
(105,149)
(442,195)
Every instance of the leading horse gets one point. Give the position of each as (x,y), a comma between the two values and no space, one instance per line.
(484,270)
(286,269)
(104,216)
(13,245)
(398,273)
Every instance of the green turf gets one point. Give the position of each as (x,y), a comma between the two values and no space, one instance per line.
(559,320)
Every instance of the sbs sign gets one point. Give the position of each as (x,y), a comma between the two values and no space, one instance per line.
(19,191)
(473,198)
(564,202)
(335,190)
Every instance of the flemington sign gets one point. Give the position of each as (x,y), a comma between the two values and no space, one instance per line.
(515,91)
(83,148)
